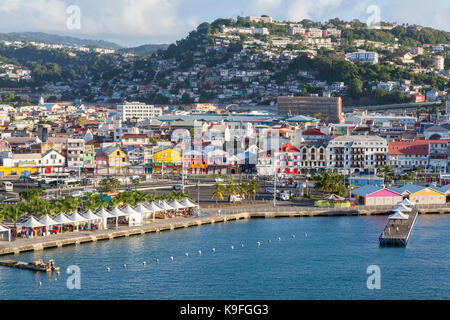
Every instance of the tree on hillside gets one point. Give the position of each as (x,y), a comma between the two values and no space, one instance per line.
(7,97)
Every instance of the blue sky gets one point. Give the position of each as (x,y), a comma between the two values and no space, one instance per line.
(136,22)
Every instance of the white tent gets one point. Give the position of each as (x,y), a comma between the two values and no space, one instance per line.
(188,204)
(163,205)
(3,230)
(91,216)
(143,210)
(398,215)
(403,208)
(104,214)
(116,212)
(76,217)
(134,217)
(175,204)
(62,219)
(32,222)
(407,202)
(48,221)
(154,208)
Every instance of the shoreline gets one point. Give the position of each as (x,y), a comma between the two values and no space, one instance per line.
(214,216)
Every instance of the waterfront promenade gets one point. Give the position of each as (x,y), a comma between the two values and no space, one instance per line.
(213,215)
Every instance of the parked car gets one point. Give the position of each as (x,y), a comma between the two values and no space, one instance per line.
(285,196)
(235,198)
(77,193)
(280,184)
(177,187)
(270,190)
(217,179)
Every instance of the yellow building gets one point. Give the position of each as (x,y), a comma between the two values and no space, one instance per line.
(17,171)
(117,160)
(167,159)
(428,196)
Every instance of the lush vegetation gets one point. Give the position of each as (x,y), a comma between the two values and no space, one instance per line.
(245,190)
(330,182)
(33,204)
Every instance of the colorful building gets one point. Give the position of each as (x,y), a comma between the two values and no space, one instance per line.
(376,196)
(167,161)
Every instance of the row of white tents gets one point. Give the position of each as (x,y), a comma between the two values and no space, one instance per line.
(134,215)
(402,210)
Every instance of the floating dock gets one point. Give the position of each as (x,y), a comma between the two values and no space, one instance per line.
(27,266)
(397,232)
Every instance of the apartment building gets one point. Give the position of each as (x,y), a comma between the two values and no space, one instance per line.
(353,154)
(439,63)
(366,57)
(326,107)
(312,158)
(75,153)
(137,110)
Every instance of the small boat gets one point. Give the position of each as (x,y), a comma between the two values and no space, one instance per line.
(37,265)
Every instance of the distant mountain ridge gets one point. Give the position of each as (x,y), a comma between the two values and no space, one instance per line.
(57,39)
(41,37)
(146,49)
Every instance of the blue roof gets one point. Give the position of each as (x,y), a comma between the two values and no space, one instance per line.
(443,189)
(411,188)
(366,190)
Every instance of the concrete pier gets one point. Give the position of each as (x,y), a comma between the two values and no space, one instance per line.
(252,212)
(397,232)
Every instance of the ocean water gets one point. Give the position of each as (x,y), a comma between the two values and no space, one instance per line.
(327,259)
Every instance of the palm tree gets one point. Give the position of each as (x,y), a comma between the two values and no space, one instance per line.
(136,182)
(331,182)
(386,172)
(3,211)
(219,192)
(242,190)
(14,213)
(253,188)
(231,189)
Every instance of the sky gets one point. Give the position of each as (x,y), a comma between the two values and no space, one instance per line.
(137,22)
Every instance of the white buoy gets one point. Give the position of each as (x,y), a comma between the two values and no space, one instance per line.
(157,260)
(200,252)
(293,236)
(306,234)
(259,243)
(213,249)
(232,247)
(242,245)
(124,265)
(40,283)
(186,254)
(171,258)
(58,273)
(144,263)
(279,238)
(108,269)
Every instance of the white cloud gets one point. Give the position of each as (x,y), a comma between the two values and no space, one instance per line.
(153,21)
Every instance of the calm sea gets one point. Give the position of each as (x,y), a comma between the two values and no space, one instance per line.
(329,263)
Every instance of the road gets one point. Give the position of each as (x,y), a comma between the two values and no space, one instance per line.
(201,193)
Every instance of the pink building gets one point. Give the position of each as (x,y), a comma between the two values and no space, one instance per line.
(287,159)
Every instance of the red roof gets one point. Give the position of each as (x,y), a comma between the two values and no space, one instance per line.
(133,136)
(287,147)
(313,132)
(418,147)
